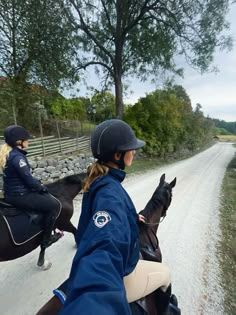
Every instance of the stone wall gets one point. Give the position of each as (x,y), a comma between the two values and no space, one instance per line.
(51,169)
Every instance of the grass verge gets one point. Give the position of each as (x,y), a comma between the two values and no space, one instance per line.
(142,164)
(227,138)
(227,245)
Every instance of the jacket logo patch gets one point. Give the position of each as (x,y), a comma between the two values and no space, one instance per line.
(22,163)
(101,218)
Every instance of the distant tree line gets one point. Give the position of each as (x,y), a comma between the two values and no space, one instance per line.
(225,127)
(164,118)
(167,122)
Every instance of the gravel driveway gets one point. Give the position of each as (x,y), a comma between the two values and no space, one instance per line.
(187,238)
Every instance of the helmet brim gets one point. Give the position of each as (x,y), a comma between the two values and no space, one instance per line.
(133,146)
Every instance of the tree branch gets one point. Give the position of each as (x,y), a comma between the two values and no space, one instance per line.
(144,9)
(84,27)
(108,17)
(90,63)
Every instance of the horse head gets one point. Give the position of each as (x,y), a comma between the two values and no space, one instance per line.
(163,193)
(160,201)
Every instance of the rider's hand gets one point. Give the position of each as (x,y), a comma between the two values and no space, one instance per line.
(141,218)
(43,190)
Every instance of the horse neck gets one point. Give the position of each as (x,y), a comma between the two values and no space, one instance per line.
(73,190)
(69,192)
(153,212)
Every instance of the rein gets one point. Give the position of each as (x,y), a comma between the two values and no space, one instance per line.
(156,223)
(154,247)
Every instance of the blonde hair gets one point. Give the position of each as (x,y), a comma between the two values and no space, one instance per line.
(4,153)
(94,171)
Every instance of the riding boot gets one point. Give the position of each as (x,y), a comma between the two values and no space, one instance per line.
(166,303)
(48,237)
(162,301)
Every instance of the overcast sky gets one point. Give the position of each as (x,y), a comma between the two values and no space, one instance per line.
(216,92)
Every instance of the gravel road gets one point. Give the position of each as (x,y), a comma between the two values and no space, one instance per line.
(187,238)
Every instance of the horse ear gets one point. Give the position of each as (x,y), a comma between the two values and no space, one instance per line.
(162,179)
(172,184)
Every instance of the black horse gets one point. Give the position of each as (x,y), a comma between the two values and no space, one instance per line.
(155,210)
(65,191)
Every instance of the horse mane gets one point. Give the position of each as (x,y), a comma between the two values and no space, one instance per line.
(153,203)
(75,179)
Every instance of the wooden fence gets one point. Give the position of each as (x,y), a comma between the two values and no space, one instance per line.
(51,145)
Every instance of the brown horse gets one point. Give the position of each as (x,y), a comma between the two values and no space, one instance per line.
(65,190)
(155,209)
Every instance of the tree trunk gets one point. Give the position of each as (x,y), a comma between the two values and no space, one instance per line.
(119,97)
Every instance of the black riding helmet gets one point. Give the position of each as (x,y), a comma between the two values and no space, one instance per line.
(113,136)
(14,133)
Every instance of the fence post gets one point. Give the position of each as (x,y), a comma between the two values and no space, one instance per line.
(59,135)
(38,107)
(77,135)
(41,132)
(14,113)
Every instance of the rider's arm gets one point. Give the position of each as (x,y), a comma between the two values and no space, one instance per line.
(23,170)
(96,279)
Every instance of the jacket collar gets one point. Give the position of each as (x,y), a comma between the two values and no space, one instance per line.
(20,150)
(118,174)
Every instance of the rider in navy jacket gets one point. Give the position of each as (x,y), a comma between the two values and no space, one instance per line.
(21,189)
(107,251)
(107,237)
(17,175)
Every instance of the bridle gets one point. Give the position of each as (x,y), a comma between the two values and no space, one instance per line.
(164,210)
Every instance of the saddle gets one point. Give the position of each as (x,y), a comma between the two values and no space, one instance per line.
(23,225)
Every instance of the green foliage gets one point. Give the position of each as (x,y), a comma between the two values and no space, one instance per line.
(102,106)
(36,46)
(166,123)
(227,247)
(230,127)
(157,118)
(35,41)
(6,110)
(142,37)
(181,94)
(221,131)
(72,109)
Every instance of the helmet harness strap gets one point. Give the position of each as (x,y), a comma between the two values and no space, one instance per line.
(120,162)
(21,144)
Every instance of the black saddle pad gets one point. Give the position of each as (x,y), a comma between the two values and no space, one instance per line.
(22,225)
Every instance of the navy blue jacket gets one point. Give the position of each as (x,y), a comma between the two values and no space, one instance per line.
(17,176)
(108,250)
